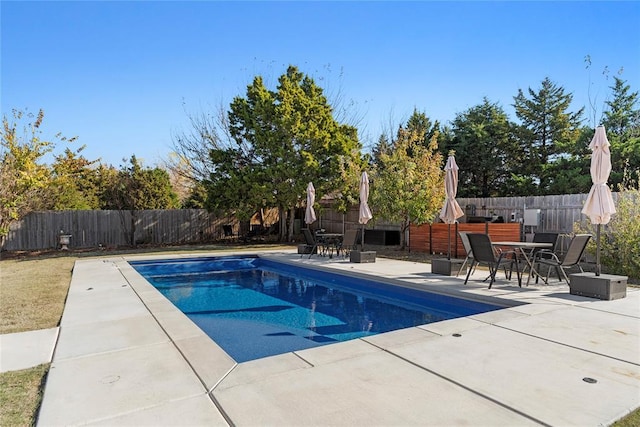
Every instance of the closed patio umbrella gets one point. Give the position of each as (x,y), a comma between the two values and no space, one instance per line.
(365,213)
(451,209)
(599,205)
(310,213)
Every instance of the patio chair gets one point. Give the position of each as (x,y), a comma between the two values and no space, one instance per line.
(542,237)
(310,240)
(545,238)
(571,258)
(467,248)
(485,253)
(349,242)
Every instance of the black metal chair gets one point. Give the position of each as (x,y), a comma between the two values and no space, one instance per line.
(310,240)
(467,248)
(485,253)
(571,258)
(349,242)
(543,237)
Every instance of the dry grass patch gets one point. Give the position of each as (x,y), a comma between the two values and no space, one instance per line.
(33,293)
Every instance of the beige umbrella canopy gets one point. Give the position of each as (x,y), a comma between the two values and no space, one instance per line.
(451,209)
(599,205)
(365,213)
(310,213)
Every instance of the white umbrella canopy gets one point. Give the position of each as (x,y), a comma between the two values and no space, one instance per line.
(310,213)
(451,209)
(599,205)
(365,213)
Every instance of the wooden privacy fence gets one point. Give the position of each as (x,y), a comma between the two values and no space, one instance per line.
(557,213)
(110,228)
(434,238)
(41,230)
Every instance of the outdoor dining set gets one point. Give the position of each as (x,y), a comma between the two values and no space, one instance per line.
(326,244)
(525,257)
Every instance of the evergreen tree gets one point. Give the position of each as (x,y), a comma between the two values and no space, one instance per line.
(486,151)
(621,116)
(622,122)
(547,130)
(282,140)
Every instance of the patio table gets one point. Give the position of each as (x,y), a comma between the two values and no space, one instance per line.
(526,249)
(330,241)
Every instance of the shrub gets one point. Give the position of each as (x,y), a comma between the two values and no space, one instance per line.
(620,239)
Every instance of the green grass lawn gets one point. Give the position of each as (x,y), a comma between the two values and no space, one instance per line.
(33,292)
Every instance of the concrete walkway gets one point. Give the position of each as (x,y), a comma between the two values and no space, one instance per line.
(23,350)
(126,356)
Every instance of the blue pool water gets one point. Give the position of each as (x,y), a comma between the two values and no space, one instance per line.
(254,307)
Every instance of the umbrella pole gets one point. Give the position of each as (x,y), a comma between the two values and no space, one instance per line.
(449,238)
(362,239)
(598,250)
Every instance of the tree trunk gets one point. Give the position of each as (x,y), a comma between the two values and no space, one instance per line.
(132,230)
(292,220)
(283,224)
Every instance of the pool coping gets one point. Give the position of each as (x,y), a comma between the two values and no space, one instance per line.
(220,376)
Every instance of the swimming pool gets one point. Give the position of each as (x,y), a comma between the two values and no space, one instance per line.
(255,307)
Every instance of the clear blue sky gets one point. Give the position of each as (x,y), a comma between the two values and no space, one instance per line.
(119,75)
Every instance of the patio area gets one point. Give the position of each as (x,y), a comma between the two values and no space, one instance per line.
(127,356)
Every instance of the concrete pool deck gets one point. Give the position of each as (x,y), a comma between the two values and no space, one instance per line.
(126,356)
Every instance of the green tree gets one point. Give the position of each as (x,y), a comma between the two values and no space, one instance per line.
(24,176)
(383,146)
(547,130)
(422,125)
(134,188)
(74,183)
(622,122)
(281,140)
(408,183)
(486,151)
(621,116)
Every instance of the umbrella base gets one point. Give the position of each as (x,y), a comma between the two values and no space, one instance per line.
(447,267)
(605,286)
(306,249)
(362,256)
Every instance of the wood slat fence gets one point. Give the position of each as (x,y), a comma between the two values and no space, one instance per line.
(89,229)
(434,238)
(109,228)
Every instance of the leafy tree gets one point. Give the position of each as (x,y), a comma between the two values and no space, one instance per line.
(24,177)
(486,151)
(547,130)
(408,183)
(281,140)
(74,182)
(134,188)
